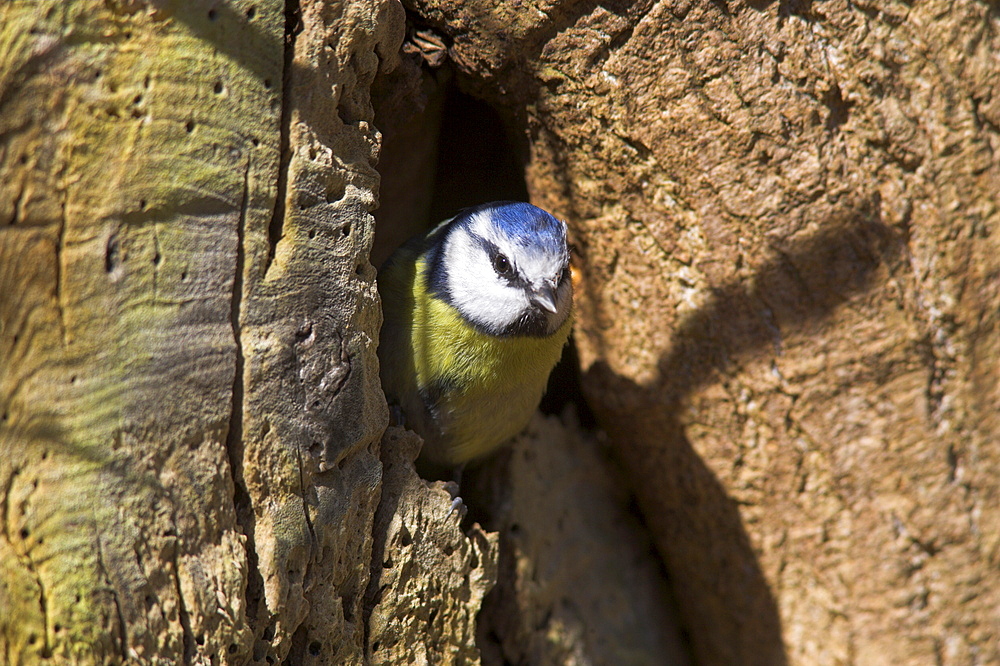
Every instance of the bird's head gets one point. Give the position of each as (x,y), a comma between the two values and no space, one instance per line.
(505,267)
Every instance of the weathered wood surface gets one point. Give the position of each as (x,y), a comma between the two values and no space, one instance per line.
(786,220)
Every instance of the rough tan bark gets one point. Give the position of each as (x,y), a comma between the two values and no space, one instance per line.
(577,583)
(786,221)
(429,577)
(189,390)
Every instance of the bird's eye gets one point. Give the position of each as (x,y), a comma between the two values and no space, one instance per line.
(501,265)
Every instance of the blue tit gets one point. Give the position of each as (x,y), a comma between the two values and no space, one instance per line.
(476,314)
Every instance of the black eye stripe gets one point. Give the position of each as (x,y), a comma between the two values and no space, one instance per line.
(493,252)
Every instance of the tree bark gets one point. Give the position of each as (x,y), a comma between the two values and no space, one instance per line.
(787,318)
(786,226)
(190,400)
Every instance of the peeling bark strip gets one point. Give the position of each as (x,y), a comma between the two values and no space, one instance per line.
(789,319)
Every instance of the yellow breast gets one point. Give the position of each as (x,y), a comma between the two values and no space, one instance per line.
(464,391)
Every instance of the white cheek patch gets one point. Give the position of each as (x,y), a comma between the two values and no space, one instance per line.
(488,300)
(475,288)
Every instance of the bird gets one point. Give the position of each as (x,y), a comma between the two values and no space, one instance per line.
(476,313)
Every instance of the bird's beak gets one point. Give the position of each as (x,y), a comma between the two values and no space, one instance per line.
(545,296)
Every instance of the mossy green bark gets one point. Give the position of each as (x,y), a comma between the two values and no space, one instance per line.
(138,140)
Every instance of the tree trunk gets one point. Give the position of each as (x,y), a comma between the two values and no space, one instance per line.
(190,402)
(787,321)
(786,225)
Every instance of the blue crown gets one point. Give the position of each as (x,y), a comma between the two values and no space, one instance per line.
(525,224)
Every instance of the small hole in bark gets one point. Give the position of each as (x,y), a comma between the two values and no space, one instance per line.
(254,141)
(346,115)
(345,603)
(45,455)
(218,88)
(375,646)
(233,647)
(189,126)
(312,234)
(268,633)
(405,538)
(314,648)
(251,12)
(212,14)
(25,532)
(268,84)
(23,159)
(335,192)
(111,253)
(200,639)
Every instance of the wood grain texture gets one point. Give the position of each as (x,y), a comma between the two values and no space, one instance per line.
(188,320)
(127,171)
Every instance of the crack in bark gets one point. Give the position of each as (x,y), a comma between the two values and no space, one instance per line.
(46,644)
(157,257)
(235,433)
(276,226)
(183,614)
(122,628)
(18,212)
(305,506)
(60,273)
(5,505)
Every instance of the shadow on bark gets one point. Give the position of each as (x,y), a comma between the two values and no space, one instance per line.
(726,605)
